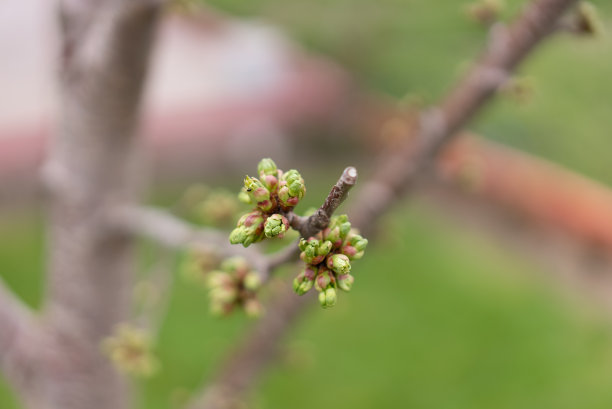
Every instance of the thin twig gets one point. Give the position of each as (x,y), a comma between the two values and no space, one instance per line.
(320,219)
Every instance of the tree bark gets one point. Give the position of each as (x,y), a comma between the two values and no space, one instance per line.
(104,54)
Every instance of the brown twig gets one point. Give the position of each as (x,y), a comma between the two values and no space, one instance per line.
(320,219)
(508,47)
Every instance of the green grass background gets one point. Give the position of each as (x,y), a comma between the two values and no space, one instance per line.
(438,318)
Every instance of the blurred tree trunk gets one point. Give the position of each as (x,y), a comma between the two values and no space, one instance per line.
(104,54)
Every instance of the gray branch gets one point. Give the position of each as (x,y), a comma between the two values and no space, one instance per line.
(172,232)
(320,219)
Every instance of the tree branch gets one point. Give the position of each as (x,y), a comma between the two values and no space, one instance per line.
(397,173)
(172,232)
(320,219)
(18,341)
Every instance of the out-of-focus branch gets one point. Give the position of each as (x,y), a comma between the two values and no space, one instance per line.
(17,325)
(320,219)
(172,232)
(507,48)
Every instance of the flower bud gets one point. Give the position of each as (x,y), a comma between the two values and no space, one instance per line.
(252,307)
(292,189)
(238,235)
(244,196)
(267,166)
(276,225)
(322,300)
(323,279)
(327,298)
(235,265)
(333,236)
(305,287)
(324,248)
(339,263)
(252,281)
(225,294)
(345,282)
(218,279)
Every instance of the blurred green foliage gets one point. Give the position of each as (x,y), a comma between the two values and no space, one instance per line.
(438,318)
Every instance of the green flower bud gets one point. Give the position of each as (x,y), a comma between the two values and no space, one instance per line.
(267,167)
(252,281)
(292,189)
(218,279)
(304,281)
(235,265)
(244,196)
(219,308)
(305,287)
(238,235)
(276,225)
(332,235)
(249,230)
(339,263)
(250,184)
(252,307)
(327,298)
(323,280)
(322,300)
(330,297)
(345,282)
(324,248)
(225,294)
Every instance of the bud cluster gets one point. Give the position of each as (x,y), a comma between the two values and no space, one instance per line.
(328,258)
(214,206)
(273,193)
(131,351)
(234,285)
(197,263)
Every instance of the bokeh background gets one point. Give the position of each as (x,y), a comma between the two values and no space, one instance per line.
(441,315)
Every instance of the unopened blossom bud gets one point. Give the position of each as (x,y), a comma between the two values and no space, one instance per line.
(252,281)
(235,265)
(339,263)
(310,255)
(292,188)
(276,225)
(224,294)
(249,230)
(323,280)
(267,167)
(218,279)
(324,248)
(252,307)
(131,351)
(354,246)
(238,235)
(327,298)
(345,282)
(244,196)
(333,236)
(322,300)
(305,281)
(219,308)
(295,182)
